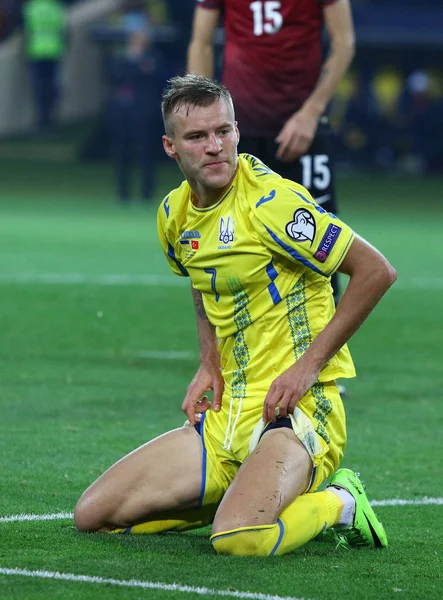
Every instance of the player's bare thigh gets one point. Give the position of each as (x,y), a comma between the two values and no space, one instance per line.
(268,481)
(162,475)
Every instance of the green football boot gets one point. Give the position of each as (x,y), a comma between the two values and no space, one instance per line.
(366,529)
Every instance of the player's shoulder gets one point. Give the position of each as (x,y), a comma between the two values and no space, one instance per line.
(256,170)
(258,173)
(174,203)
(258,179)
(267,191)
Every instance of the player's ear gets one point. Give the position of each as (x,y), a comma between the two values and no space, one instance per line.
(237,131)
(169,147)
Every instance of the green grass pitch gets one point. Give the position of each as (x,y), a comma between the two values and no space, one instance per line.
(91,366)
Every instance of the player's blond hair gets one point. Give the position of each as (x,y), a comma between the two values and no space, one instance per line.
(191,90)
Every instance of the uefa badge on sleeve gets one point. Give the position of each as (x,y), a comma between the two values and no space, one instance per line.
(302,228)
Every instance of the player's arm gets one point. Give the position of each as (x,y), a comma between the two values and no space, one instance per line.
(208,376)
(338,21)
(371,275)
(299,131)
(200,50)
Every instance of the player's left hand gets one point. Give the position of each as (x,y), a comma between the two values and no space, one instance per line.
(286,390)
(296,136)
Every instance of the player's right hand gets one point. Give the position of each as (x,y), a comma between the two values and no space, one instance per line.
(296,136)
(207,378)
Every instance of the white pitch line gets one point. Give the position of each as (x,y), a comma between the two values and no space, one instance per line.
(417,502)
(150,585)
(48,517)
(389,502)
(125,279)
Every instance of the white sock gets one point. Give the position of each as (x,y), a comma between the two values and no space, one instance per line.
(348,512)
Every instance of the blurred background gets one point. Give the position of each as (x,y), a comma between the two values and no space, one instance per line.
(387,113)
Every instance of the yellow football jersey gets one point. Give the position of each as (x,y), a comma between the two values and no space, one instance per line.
(248,252)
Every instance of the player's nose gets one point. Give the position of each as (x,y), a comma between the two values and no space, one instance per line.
(214,144)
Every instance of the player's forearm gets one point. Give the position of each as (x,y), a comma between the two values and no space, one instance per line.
(206,333)
(201,59)
(365,288)
(332,73)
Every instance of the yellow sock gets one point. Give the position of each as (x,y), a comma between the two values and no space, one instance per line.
(300,522)
(180,521)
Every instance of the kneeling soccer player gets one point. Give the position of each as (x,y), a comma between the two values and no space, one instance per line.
(260,253)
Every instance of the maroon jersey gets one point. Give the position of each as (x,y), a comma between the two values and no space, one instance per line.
(272,58)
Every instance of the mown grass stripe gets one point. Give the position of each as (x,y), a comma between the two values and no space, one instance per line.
(126,279)
(166,354)
(111,279)
(150,585)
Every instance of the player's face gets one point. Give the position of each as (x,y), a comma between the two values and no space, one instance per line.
(204,143)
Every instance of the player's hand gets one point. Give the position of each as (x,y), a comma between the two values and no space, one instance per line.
(208,377)
(286,390)
(296,136)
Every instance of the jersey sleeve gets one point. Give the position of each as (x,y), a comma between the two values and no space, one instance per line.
(166,237)
(291,224)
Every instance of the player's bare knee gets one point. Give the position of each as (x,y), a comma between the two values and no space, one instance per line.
(89,516)
(83,517)
(240,519)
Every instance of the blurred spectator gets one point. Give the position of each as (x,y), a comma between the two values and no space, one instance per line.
(421,120)
(386,86)
(9,16)
(137,77)
(44,28)
(359,120)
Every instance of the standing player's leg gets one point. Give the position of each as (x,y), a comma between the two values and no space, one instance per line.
(157,481)
(323,187)
(146,154)
(119,125)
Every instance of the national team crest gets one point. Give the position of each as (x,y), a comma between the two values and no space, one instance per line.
(302,228)
(226,235)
